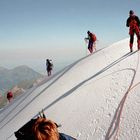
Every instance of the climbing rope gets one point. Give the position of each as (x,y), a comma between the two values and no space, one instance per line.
(126,94)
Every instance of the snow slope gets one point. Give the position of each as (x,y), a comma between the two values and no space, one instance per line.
(96,98)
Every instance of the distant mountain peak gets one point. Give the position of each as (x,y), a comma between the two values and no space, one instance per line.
(20,74)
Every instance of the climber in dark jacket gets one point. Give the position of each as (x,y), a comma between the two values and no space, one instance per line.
(49,66)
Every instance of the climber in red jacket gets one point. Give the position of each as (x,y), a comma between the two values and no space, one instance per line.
(133,23)
(9,96)
(91,41)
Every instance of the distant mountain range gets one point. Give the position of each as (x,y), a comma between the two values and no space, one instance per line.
(21,76)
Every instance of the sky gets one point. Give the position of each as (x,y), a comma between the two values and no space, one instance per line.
(33,30)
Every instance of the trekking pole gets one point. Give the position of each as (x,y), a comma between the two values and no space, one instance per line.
(86,45)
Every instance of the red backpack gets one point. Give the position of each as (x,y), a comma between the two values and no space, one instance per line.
(9,95)
(93,36)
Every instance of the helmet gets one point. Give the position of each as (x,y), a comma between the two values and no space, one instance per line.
(131,12)
(88,32)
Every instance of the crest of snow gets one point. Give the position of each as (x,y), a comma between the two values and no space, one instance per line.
(93,99)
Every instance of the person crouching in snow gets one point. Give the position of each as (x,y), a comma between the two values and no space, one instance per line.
(133,23)
(91,41)
(9,96)
(45,129)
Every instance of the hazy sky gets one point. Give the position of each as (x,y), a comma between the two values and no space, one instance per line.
(32,30)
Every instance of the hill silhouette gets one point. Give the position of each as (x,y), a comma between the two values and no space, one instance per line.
(19,75)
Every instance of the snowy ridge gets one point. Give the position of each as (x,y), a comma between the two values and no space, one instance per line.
(96,98)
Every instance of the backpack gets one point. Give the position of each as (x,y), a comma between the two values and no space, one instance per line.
(25,132)
(134,22)
(94,37)
(9,95)
(51,64)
